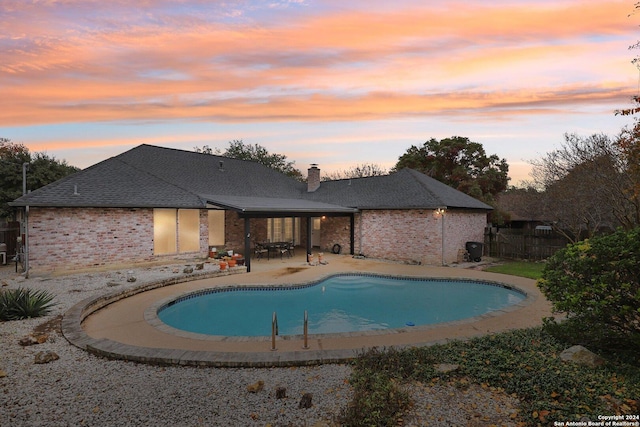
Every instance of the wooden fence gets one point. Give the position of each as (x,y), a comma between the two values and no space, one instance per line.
(531,245)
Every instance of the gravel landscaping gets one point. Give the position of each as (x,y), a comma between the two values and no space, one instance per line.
(81,389)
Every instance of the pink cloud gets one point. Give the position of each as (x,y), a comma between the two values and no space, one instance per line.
(75,61)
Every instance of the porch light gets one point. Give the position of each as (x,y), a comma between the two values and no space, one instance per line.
(439,213)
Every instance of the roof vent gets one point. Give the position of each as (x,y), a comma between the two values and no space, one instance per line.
(221,166)
(75,190)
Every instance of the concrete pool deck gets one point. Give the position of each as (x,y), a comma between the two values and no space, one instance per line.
(123,329)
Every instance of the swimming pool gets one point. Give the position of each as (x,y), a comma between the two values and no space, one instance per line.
(338,304)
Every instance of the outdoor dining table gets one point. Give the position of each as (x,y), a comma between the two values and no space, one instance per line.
(276,247)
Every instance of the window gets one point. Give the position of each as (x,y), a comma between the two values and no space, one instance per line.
(165,233)
(216,228)
(173,228)
(283,229)
(189,230)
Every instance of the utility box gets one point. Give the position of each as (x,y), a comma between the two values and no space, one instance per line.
(475,250)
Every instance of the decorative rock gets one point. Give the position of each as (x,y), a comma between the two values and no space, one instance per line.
(176,270)
(45,357)
(112,284)
(2,373)
(27,341)
(254,388)
(33,339)
(580,355)
(445,368)
(305,402)
(200,266)
(130,277)
(281,392)
(188,270)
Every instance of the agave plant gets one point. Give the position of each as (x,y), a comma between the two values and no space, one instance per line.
(24,303)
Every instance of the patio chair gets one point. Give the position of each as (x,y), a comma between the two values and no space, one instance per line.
(260,250)
(283,248)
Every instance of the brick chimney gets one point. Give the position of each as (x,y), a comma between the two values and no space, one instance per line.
(313,178)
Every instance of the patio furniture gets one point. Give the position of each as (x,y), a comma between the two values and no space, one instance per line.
(260,250)
(277,247)
(283,248)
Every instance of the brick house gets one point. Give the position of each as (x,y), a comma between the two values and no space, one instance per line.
(152,204)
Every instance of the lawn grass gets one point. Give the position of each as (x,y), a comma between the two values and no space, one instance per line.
(531,270)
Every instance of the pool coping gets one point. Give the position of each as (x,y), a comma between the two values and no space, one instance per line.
(74,332)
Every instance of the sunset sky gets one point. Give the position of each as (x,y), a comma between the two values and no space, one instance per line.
(338,83)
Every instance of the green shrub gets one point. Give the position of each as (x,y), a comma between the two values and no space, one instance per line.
(597,280)
(378,399)
(24,303)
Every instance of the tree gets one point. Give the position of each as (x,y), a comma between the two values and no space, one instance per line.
(628,148)
(42,170)
(523,203)
(461,164)
(589,183)
(576,209)
(635,61)
(358,171)
(255,153)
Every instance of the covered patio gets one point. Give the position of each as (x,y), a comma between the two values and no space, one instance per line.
(248,208)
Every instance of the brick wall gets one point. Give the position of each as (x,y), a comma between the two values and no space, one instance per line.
(402,235)
(335,230)
(204,232)
(79,238)
(71,238)
(462,227)
(411,236)
(234,231)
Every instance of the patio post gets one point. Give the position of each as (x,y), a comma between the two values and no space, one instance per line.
(308,236)
(247,244)
(352,237)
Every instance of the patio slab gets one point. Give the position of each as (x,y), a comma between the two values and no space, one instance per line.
(122,328)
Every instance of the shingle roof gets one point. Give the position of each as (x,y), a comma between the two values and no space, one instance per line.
(405,189)
(150,176)
(111,183)
(210,174)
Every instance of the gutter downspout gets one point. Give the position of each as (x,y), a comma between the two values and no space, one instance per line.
(25,166)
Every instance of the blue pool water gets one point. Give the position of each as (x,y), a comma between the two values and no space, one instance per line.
(343,303)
